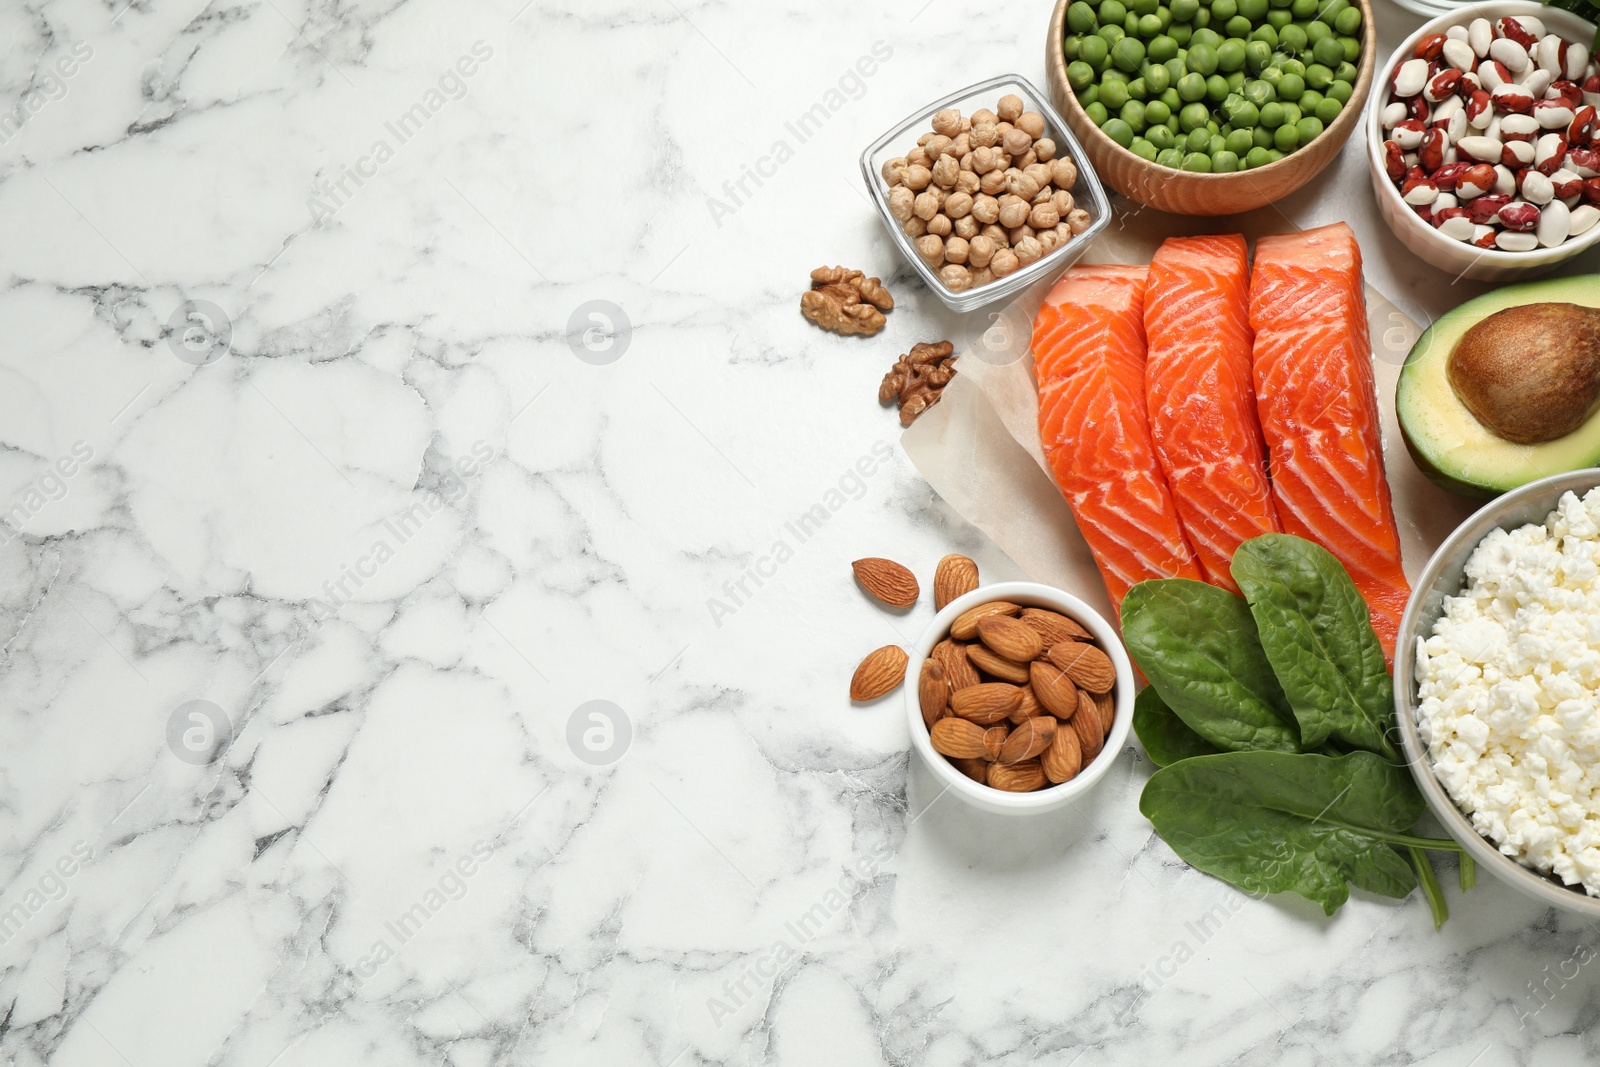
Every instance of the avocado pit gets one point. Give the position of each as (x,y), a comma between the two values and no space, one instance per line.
(1530,373)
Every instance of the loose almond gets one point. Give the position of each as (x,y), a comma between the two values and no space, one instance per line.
(986,703)
(1029,707)
(1063,759)
(976,769)
(957,738)
(965,628)
(1107,707)
(1087,666)
(887,580)
(1091,740)
(1053,689)
(1022,777)
(1054,626)
(1028,739)
(955,576)
(994,739)
(1003,669)
(958,670)
(1010,638)
(933,692)
(879,673)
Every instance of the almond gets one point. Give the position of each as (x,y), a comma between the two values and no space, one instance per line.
(1054,627)
(1107,707)
(957,738)
(986,703)
(994,739)
(1087,666)
(933,693)
(1090,738)
(1063,759)
(1028,739)
(976,769)
(1010,638)
(955,576)
(879,673)
(1028,708)
(1022,777)
(1054,690)
(887,581)
(965,628)
(958,670)
(1003,669)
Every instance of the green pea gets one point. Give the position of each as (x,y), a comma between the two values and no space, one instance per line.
(1191,87)
(1239,142)
(1118,131)
(1291,113)
(1230,55)
(1278,18)
(1115,76)
(1345,72)
(1170,157)
(1211,126)
(1139,89)
(1209,38)
(1224,162)
(1292,38)
(1156,79)
(1161,137)
(1259,92)
(1329,109)
(1097,112)
(1198,162)
(1164,14)
(1156,111)
(1071,47)
(1275,154)
(1272,115)
(1149,25)
(1161,48)
(1244,114)
(1193,117)
(1217,88)
(1133,114)
(1113,94)
(1261,137)
(1330,11)
(1079,75)
(1175,69)
(1293,66)
(1111,34)
(1308,128)
(1308,101)
(1128,54)
(1216,143)
(1239,26)
(1348,21)
(1327,51)
(1143,149)
(1257,157)
(1318,76)
(1318,31)
(1179,32)
(1202,59)
(1130,24)
(1172,124)
(1184,10)
(1290,86)
(1088,94)
(1112,12)
(1304,9)
(1268,36)
(1202,19)
(1286,138)
(1197,141)
(1352,48)
(1081,18)
(1145,7)
(1272,76)
(1171,98)
(1095,50)
(1224,9)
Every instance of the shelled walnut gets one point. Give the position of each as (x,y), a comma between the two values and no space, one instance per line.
(918,378)
(846,301)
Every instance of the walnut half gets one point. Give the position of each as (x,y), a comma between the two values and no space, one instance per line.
(918,378)
(846,301)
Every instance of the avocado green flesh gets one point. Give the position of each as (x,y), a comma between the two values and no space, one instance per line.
(1448,443)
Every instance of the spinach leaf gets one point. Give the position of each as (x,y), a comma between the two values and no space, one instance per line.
(1197,645)
(1271,822)
(1165,738)
(1316,632)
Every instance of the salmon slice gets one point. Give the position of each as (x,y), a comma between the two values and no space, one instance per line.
(1319,411)
(1088,351)
(1201,395)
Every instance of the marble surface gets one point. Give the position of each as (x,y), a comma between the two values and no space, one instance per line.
(322,540)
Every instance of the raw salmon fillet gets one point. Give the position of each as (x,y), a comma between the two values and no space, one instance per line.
(1088,351)
(1201,396)
(1319,411)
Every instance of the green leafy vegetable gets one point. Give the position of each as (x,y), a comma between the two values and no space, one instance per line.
(1198,646)
(1165,738)
(1272,822)
(1586,9)
(1315,631)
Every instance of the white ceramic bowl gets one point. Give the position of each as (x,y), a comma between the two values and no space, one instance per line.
(1455,257)
(1029,595)
(1445,577)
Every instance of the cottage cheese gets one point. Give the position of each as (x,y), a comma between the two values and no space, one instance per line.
(1509,692)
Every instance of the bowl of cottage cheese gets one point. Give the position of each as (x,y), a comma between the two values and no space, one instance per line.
(1497,688)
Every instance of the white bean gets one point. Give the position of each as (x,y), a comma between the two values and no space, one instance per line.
(1507,51)
(1547,53)
(1459,228)
(1537,189)
(1532,24)
(1483,149)
(1456,33)
(1489,76)
(1582,219)
(1577,60)
(1459,55)
(1512,241)
(1411,77)
(1536,82)
(1555,223)
(1444,200)
(1422,194)
(1480,33)
(1505,182)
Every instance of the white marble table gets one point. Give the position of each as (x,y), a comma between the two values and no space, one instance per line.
(321,535)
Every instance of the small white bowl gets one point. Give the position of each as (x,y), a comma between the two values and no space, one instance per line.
(1455,257)
(1029,595)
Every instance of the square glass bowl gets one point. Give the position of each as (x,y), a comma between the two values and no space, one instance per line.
(1089,194)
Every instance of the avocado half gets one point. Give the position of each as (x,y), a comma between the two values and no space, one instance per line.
(1448,443)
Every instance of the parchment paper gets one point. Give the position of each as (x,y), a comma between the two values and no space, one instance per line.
(979,446)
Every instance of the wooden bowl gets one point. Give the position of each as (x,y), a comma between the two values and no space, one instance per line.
(1184,192)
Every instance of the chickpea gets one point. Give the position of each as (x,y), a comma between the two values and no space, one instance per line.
(1063,202)
(1039,172)
(931,249)
(1043,196)
(955,250)
(1063,173)
(1017,233)
(1004,262)
(984,136)
(966,164)
(925,206)
(958,205)
(918,177)
(998,235)
(945,171)
(1013,211)
(968,182)
(1063,232)
(922,142)
(985,208)
(1027,159)
(1021,185)
(894,170)
(982,277)
(1047,240)
(966,227)
(1028,250)
(956,278)
(983,160)
(901,202)
(1078,220)
(1031,123)
(980,250)
(1003,127)
(947,121)
(915,227)
(918,157)
(983,116)
(939,225)
(1045,149)
(1010,107)
(1043,216)
(960,146)
(1016,142)
(993,183)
